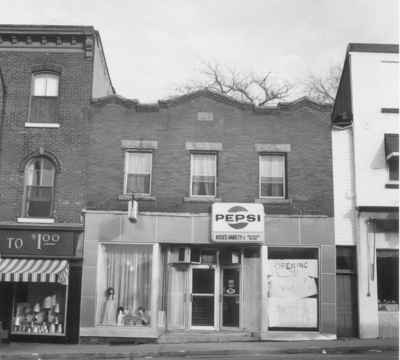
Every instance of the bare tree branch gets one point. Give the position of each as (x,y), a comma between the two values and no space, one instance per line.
(323,88)
(256,89)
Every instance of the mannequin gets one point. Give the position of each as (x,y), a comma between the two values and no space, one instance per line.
(109,310)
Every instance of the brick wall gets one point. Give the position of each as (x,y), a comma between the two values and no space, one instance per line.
(67,143)
(304,126)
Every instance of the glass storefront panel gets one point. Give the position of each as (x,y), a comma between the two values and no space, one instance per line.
(39,309)
(292,288)
(124,285)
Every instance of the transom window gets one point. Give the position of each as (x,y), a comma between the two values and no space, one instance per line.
(272,176)
(39,188)
(203,178)
(45,84)
(138,173)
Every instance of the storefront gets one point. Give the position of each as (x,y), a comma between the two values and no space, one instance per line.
(40,278)
(234,269)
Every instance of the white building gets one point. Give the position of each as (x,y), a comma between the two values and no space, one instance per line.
(365,162)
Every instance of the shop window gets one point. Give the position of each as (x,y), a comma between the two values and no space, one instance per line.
(292,288)
(203,175)
(138,173)
(387,266)
(124,285)
(39,309)
(39,188)
(44,99)
(272,176)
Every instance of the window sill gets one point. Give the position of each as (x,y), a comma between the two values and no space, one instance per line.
(392,185)
(201,199)
(137,197)
(272,201)
(35,220)
(42,125)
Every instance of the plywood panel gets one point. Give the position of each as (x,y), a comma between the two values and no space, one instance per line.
(176,298)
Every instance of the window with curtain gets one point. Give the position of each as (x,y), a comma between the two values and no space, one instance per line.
(138,172)
(272,176)
(124,290)
(203,174)
(39,188)
(45,84)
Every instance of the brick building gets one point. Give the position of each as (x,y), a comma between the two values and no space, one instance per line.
(48,76)
(234,228)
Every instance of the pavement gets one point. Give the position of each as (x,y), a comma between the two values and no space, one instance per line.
(35,351)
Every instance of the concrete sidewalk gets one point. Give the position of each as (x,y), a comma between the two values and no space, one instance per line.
(22,351)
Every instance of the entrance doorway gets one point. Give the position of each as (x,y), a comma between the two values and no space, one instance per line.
(230,297)
(203,300)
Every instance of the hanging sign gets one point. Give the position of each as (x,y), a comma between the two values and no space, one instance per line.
(237,222)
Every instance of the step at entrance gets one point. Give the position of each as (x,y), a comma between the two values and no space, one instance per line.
(178,337)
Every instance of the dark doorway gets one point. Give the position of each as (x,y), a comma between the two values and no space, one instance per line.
(6,295)
(346,292)
(230,297)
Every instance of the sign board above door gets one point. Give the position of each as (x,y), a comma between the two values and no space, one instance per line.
(237,222)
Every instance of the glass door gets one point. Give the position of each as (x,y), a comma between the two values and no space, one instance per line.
(203,287)
(230,297)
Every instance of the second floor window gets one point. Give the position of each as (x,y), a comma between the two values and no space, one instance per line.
(272,176)
(138,173)
(44,98)
(39,188)
(203,175)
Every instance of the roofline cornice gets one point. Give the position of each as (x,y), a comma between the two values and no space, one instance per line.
(46,29)
(175,101)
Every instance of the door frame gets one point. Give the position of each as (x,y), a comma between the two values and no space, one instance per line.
(221,295)
(216,297)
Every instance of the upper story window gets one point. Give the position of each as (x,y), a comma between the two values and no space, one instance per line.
(203,174)
(138,173)
(39,188)
(272,181)
(392,155)
(44,98)
(45,84)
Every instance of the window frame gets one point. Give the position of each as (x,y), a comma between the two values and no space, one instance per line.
(389,165)
(194,153)
(37,74)
(126,155)
(24,213)
(284,156)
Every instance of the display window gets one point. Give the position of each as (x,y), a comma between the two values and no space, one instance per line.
(39,309)
(387,266)
(124,285)
(292,285)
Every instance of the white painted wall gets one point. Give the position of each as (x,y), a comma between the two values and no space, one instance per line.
(343,185)
(374,79)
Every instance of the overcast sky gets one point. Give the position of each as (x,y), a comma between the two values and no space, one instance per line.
(152,46)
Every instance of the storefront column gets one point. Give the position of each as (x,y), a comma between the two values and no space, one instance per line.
(367,288)
(264,292)
(155,291)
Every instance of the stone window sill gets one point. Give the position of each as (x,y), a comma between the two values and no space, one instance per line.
(35,220)
(272,201)
(201,199)
(42,125)
(137,197)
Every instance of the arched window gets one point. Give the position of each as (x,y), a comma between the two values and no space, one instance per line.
(39,188)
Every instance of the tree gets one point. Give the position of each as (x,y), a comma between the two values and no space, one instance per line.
(323,89)
(256,89)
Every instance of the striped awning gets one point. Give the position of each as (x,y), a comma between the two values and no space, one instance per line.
(30,270)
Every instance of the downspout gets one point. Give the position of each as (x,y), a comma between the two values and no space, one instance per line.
(2,111)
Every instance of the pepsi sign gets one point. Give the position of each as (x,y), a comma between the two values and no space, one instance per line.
(237,222)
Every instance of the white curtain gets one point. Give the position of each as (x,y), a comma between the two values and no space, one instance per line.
(128,272)
(203,174)
(138,171)
(45,85)
(272,175)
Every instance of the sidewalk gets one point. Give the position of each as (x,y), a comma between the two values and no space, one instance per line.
(22,351)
